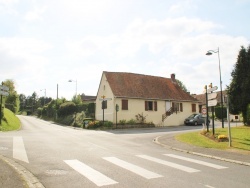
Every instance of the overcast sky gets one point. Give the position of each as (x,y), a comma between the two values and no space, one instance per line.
(45,43)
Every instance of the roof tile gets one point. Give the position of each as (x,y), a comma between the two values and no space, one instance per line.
(144,86)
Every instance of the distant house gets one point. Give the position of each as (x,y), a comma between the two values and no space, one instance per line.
(202,100)
(159,99)
(88,98)
(202,103)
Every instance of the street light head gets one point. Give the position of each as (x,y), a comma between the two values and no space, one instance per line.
(70,81)
(209,53)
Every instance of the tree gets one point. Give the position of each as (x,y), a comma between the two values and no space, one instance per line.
(12,100)
(182,86)
(77,99)
(239,88)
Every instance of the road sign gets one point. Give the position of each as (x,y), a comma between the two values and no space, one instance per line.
(4,88)
(105,99)
(212,89)
(4,93)
(212,102)
(211,96)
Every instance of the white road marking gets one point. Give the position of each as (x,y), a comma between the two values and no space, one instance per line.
(209,186)
(173,165)
(133,168)
(196,161)
(19,151)
(96,177)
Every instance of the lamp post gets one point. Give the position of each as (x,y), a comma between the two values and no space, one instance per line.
(44,96)
(76,84)
(210,52)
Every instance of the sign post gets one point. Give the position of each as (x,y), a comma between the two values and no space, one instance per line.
(212,101)
(104,105)
(116,109)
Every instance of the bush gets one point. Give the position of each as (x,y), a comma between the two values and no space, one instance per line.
(108,124)
(122,121)
(66,109)
(218,114)
(66,120)
(93,124)
(131,122)
(39,112)
(140,118)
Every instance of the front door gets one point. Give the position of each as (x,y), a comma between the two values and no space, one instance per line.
(168,105)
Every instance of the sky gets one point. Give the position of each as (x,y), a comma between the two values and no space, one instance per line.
(47,43)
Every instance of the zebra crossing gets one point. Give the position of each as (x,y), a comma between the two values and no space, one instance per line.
(100,179)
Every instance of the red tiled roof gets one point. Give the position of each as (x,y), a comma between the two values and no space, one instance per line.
(144,86)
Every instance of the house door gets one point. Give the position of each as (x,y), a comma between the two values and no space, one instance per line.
(168,105)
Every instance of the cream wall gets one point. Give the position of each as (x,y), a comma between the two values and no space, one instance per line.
(104,90)
(178,119)
(136,106)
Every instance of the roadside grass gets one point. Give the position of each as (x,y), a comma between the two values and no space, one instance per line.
(9,122)
(240,138)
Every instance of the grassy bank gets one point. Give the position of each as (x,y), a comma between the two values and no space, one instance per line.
(9,121)
(240,138)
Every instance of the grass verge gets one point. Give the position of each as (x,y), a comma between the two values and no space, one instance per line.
(239,136)
(9,122)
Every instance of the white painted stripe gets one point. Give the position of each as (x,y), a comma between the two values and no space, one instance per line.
(173,165)
(133,168)
(196,161)
(19,151)
(96,177)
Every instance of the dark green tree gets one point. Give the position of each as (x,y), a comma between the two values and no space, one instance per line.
(183,87)
(239,88)
(12,100)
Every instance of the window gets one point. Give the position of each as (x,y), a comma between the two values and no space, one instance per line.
(177,107)
(193,107)
(155,106)
(124,104)
(181,107)
(150,105)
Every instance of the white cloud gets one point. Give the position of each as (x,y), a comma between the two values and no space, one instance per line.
(35,15)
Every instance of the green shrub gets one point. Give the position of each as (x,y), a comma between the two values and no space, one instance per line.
(93,124)
(122,122)
(108,124)
(131,122)
(218,114)
(81,107)
(140,118)
(39,112)
(79,119)
(66,109)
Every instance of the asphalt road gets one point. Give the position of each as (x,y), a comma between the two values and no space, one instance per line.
(65,157)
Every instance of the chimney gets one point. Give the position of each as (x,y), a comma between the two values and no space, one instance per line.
(173,78)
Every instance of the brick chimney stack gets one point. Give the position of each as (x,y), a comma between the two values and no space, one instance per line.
(173,78)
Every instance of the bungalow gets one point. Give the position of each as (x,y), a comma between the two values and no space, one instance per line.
(159,99)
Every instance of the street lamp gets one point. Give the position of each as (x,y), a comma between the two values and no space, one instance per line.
(76,84)
(210,52)
(44,96)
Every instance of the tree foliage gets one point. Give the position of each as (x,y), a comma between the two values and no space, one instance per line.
(180,83)
(12,100)
(239,88)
